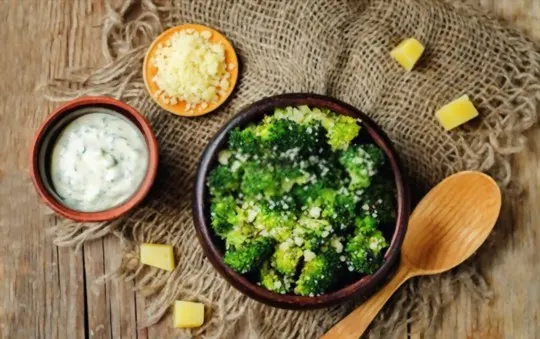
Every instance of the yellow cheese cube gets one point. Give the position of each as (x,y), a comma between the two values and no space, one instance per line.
(157,255)
(188,314)
(407,53)
(456,113)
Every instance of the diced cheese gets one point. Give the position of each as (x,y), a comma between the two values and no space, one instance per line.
(157,255)
(456,113)
(188,314)
(407,53)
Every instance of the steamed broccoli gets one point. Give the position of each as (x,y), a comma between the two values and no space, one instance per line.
(365,223)
(292,139)
(361,162)
(273,281)
(380,200)
(270,180)
(286,258)
(259,180)
(250,255)
(238,236)
(223,213)
(244,141)
(341,129)
(318,274)
(365,251)
(296,201)
(223,181)
(341,211)
(311,233)
(289,176)
(275,221)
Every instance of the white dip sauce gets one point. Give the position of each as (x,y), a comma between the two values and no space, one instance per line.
(98,162)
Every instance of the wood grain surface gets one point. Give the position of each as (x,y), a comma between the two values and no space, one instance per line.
(50,292)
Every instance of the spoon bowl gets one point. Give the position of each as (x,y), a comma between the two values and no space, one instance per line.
(450,223)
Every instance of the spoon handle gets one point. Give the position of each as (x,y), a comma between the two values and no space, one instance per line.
(356,323)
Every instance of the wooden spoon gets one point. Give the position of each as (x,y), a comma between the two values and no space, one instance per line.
(445,229)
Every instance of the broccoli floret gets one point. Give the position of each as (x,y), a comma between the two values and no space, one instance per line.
(271,180)
(342,131)
(341,211)
(286,258)
(365,223)
(311,233)
(289,176)
(223,212)
(329,204)
(292,140)
(318,274)
(250,255)
(238,236)
(244,141)
(379,200)
(361,163)
(223,181)
(307,193)
(273,281)
(365,251)
(259,180)
(327,170)
(280,135)
(278,224)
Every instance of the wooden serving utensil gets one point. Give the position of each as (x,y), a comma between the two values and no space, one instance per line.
(446,228)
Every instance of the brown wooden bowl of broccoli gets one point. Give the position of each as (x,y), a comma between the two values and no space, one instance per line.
(300,202)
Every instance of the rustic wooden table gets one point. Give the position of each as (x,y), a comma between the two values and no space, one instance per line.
(50,292)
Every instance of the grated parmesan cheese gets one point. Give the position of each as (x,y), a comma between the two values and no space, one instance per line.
(308,255)
(190,68)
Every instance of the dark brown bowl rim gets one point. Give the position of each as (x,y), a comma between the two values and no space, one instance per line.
(119,107)
(361,288)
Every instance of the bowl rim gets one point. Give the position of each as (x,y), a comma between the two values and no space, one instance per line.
(119,107)
(363,287)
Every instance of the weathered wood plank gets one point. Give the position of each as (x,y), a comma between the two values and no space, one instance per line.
(71,323)
(121,296)
(97,298)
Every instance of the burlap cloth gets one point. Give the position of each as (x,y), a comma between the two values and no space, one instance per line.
(339,48)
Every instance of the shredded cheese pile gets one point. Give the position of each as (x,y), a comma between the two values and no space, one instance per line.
(192,69)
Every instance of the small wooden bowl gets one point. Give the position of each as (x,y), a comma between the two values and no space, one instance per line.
(213,246)
(47,133)
(149,70)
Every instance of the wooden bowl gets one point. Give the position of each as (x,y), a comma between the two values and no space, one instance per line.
(149,70)
(213,246)
(54,124)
